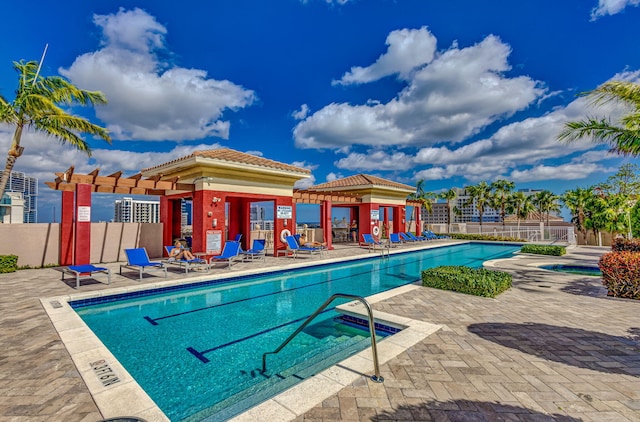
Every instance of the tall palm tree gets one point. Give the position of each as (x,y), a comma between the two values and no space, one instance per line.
(623,136)
(479,195)
(546,202)
(578,200)
(449,196)
(501,190)
(38,106)
(521,205)
(425,199)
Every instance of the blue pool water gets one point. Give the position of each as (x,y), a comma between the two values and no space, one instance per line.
(197,349)
(574,269)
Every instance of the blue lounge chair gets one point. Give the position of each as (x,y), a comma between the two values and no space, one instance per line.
(187,264)
(138,259)
(370,242)
(230,253)
(83,272)
(257,250)
(405,238)
(415,238)
(395,240)
(430,235)
(294,247)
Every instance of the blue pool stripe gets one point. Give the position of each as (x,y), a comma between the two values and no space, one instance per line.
(153,321)
(200,355)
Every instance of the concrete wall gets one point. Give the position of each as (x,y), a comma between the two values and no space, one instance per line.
(38,245)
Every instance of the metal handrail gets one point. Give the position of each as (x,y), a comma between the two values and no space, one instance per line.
(376,377)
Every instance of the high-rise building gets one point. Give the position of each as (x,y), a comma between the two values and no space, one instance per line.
(28,187)
(129,210)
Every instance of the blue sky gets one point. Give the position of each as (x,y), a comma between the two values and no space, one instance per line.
(451,92)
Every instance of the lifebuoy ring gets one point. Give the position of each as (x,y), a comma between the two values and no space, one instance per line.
(376,230)
(283,235)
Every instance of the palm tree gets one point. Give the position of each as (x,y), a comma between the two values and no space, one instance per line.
(501,190)
(521,205)
(546,202)
(449,196)
(425,199)
(623,137)
(37,106)
(479,195)
(578,201)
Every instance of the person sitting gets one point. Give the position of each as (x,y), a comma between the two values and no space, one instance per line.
(179,251)
(314,244)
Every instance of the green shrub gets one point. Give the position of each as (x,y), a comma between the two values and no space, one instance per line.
(466,236)
(554,250)
(8,263)
(621,273)
(631,245)
(473,281)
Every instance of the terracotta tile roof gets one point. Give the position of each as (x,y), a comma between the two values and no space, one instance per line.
(233,156)
(361,181)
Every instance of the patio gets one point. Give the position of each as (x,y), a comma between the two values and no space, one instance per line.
(553,347)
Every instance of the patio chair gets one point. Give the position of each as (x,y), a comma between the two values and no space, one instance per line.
(230,253)
(370,242)
(187,264)
(430,235)
(415,238)
(405,238)
(294,247)
(257,250)
(395,240)
(83,272)
(138,259)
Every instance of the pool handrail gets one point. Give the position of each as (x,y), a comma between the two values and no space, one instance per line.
(376,367)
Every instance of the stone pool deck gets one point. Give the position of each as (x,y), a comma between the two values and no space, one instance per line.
(553,347)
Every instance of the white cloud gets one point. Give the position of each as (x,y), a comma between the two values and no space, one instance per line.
(450,99)
(149,99)
(333,176)
(611,7)
(375,161)
(525,150)
(302,113)
(408,50)
(561,172)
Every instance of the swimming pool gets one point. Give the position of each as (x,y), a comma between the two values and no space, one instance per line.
(197,349)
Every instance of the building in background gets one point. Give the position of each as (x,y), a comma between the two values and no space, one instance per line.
(129,210)
(12,208)
(466,213)
(27,188)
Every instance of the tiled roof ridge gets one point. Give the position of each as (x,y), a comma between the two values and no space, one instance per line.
(359,180)
(234,156)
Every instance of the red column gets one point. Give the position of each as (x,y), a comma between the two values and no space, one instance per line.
(66,228)
(398,216)
(279,223)
(166,218)
(325,223)
(82,244)
(416,209)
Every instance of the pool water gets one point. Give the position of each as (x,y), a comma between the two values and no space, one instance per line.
(197,350)
(574,269)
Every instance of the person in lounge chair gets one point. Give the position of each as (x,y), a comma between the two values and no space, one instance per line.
(314,244)
(180,251)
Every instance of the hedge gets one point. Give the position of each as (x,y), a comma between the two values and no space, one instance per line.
(8,263)
(554,250)
(474,281)
(631,245)
(621,273)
